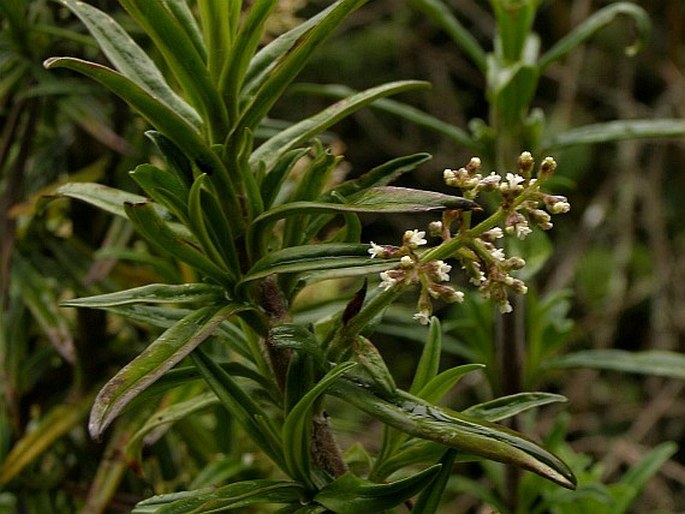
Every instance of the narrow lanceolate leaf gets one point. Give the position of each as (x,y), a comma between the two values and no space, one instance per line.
(182,58)
(440,14)
(350,494)
(417,117)
(507,406)
(615,131)
(296,431)
(157,113)
(651,362)
(297,56)
(387,199)
(424,420)
(382,175)
(431,496)
(439,385)
(163,418)
(158,232)
(595,23)
(55,424)
(163,187)
(162,355)
(429,362)
(242,50)
(307,257)
(241,406)
(153,293)
(129,59)
(233,497)
(270,151)
(107,198)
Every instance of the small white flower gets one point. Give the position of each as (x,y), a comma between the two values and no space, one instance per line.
(387,281)
(490,182)
(522,230)
(376,250)
(406,261)
(422,317)
(497,254)
(474,164)
(560,207)
(514,180)
(450,177)
(414,238)
(442,270)
(505,307)
(435,228)
(493,234)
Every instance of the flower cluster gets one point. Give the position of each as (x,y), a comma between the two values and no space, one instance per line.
(430,275)
(522,206)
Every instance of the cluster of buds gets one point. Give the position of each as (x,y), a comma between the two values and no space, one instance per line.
(522,206)
(430,275)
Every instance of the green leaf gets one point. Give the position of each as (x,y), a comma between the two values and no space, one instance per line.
(307,257)
(638,475)
(429,500)
(350,494)
(618,130)
(230,497)
(386,199)
(439,385)
(242,406)
(296,431)
(217,21)
(594,24)
(198,222)
(439,13)
(163,187)
(175,159)
(287,68)
(508,406)
(316,262)
(157,113)
(184,16)
(411,452)
(162,355)
(183,60)
(651,362)
(271,150)
(129,59)
(153,293)
(272,183)
(107,198)
(382,175)
(374,367)
(429,362)
(153,228)
(241,52)
(165,417)
(298,338)
(421,419)
(47,430)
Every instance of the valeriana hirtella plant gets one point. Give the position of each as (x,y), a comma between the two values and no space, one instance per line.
(226,206)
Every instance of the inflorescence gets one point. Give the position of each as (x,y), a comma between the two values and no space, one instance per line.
(478,250)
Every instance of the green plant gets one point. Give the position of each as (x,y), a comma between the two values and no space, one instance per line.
(250,234)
